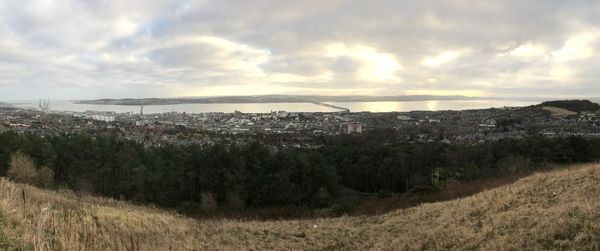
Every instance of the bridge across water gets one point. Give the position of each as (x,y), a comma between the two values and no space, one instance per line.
(332,106)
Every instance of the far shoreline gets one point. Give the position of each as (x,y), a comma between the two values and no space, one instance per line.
(279,99)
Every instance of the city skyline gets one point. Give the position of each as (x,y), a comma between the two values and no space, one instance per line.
(80,49)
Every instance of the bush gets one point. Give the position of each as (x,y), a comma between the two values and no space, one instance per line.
(384,193)
(22,169)
(188,207)
(45,177)
(235,201)
(209,202)
(513,164)
(422,190)
(344,208)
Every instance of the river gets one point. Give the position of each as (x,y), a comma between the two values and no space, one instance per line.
(384,106)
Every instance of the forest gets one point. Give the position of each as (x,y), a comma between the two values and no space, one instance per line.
(255,175)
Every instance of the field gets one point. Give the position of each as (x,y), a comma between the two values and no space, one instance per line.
(551,210)
(559,112)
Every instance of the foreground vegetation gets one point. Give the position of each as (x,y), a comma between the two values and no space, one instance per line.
(552,210)
(196,178)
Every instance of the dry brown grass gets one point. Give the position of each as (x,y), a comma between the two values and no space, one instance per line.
(554,210)
(558,112)
(450,192)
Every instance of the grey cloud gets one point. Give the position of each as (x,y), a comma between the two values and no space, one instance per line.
(301,65)
(186,55)
(112,48)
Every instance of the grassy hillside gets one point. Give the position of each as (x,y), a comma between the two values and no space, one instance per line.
(553,210)
(5,243)
(560,112)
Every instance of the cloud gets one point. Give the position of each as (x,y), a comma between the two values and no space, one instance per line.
(528,51)
(576,47)
(440,59)
(92,49)
(372,65)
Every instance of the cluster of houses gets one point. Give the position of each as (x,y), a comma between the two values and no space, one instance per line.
(415,126)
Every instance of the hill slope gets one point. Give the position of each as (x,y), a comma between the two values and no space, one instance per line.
(553,210)
(573,105)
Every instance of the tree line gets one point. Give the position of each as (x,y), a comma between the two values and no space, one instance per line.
(258,175)
(573,105)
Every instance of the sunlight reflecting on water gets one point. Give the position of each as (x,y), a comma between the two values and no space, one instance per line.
(430,105)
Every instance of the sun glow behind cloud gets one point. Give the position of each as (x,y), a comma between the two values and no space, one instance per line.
(528,50)
(375,65)
(560,72)
(124,26)
(577,47)
(440,59)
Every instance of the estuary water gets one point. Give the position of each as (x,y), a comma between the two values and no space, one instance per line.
(383,106)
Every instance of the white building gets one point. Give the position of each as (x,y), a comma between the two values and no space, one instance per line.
(105,118)
(354,128)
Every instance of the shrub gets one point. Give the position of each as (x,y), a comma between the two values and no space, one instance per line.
(345,207)
(512,164)
(235,201)
(384,193)
(209,202)
(45,177)
(22,169)
(188,207)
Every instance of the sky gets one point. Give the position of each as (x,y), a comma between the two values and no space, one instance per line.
(85,49)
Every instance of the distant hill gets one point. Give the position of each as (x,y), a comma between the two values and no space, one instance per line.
(573,105)
(556,210)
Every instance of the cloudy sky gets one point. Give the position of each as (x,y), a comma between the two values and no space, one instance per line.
(97,49)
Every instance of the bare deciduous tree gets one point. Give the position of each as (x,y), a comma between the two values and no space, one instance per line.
(22,169)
